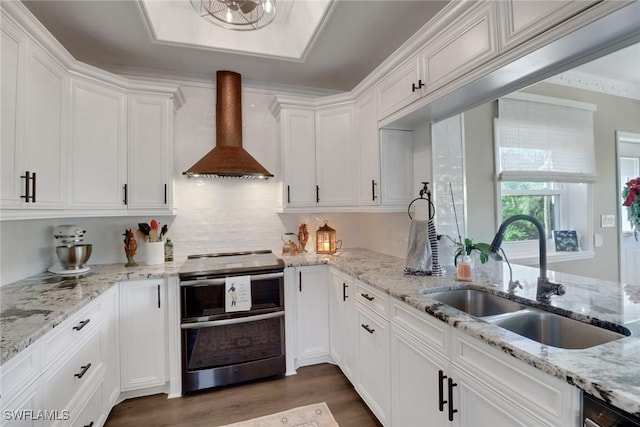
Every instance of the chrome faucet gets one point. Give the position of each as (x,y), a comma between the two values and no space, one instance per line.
(545,288)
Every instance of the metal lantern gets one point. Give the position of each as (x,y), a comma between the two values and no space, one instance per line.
(326,240)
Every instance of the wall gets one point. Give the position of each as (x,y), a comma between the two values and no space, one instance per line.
(213,215)
(614,113)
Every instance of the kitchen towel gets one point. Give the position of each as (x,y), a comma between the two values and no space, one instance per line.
(238,293)
(422,249)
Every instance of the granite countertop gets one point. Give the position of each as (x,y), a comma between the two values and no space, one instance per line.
(31,307)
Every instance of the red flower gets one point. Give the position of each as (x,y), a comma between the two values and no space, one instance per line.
(634,187)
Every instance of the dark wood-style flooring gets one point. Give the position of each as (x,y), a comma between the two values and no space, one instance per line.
(312,384)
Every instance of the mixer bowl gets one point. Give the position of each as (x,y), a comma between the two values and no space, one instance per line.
(73,257)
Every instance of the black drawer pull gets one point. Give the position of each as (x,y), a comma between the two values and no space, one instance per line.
(158,296)
(373,190)
(89,425)
(451,410)
(165,194)
(317,194)
(367,297)
(300,281)
(288,194)
(84,370)
(344,291)
(81,324)
(368,329)
(33,187)
(441,401)
(124,200)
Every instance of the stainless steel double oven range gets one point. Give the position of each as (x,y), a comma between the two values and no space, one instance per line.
(221,345)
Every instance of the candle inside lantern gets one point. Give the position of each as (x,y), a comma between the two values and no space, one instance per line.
(325,240)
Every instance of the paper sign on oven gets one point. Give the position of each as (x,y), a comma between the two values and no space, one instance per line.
(238,293)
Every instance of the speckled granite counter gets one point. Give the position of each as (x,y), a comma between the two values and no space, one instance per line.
(31,307)
(609,371)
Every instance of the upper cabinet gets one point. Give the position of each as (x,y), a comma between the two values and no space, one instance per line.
(34,114)
(150,145)
(76,140)
(98,146)
(468,42)
(520,20)
(368,158)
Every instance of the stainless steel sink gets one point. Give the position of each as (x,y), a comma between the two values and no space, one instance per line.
(555,330)
(538,325)
(476,303)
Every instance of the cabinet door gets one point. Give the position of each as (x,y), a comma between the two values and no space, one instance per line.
(312,311)
(368,151)
(396,152)
(341,336)
(45,132)
(521,20)
(335,156)
(298,156)
(373,378)
(110,354)
(467,43)
(98,149)
(415,382)
(11,115)
(150,136)
(398,89)
(477,406)
(29,401)
(142,334)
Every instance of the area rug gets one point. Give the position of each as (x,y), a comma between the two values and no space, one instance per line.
(316,415)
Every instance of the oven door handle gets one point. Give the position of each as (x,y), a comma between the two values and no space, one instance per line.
(224,322)
(222,280)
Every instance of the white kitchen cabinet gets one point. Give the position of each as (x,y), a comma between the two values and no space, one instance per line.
(297,128)
(98,146)
(142,334)
(396,153)
(34,113)
(109,308)
(467,43)
(312,315)
(150,128)
(521,20)
(15,413)
(373,377)
(487,387)
(341,323)
(368,150)
(335,156)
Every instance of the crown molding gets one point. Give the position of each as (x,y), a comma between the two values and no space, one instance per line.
(585,81)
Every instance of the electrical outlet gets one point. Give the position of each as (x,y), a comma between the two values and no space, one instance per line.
(607,221)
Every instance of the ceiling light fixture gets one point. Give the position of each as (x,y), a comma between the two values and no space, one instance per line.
(238,15)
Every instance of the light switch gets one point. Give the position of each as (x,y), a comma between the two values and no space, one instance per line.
(607,221)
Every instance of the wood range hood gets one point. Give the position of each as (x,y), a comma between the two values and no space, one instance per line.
(228,158)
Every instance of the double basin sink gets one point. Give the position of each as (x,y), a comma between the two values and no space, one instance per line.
(538,325)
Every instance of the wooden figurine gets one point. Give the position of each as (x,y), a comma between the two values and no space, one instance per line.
(130,248)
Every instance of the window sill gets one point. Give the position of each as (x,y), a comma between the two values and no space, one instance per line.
(552,257)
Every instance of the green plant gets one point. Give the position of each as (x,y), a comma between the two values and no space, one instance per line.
(468,246)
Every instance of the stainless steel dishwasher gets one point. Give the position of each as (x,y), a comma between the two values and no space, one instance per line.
(597,413)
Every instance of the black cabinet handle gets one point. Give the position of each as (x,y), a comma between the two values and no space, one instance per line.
(165,194)
(288,194)
(33,187)
(373,190)
(84,370)
(124,187)
(451,410)
(158,296)
(344,291)
(89,425)
(367,328)
(317,194)
(419,86)
(300,281)
(441,401)
(81,324)
(367,297)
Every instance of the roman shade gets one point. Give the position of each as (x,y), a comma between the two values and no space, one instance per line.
(539,138)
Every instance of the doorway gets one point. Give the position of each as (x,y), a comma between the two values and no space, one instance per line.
(628,149)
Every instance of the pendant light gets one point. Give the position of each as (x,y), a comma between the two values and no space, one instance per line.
(238,15)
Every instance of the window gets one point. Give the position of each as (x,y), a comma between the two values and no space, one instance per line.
(546,162)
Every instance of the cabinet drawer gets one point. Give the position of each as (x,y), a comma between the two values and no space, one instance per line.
(544,395)
(19,372)
(91,415)
(71,331)
(372,298)
(432,332)
(63,380)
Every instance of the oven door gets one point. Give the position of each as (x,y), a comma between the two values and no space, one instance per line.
(232,350)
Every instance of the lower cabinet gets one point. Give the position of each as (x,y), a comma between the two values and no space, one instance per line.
(312,315)
(342,323)
(142,334)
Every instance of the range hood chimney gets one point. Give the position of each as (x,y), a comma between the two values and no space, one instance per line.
(228,158)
